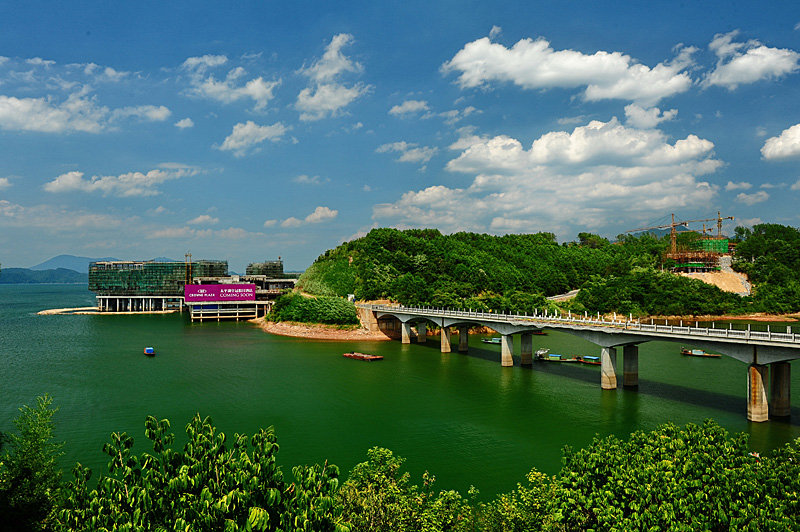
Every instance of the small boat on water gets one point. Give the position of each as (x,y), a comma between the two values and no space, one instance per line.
(149,351)
(496,340)
(698,353)
(592,361)
(362,356)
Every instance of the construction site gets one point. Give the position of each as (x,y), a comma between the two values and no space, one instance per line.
(701,253)
(203,287)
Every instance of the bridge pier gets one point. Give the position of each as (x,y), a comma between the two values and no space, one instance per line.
(463,338)
(405,332)
(422,332)
(779,389)
(608,368)
(526,351)
(507,350)
(757,407)
(630,366)
(446,340)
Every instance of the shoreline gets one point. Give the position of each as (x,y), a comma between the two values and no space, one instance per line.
(318,331)
(95,311)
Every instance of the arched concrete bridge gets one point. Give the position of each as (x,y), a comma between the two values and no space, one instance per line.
(767,353)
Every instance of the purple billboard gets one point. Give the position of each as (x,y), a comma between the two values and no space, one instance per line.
(196,293)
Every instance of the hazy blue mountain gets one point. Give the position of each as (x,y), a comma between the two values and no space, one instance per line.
(27,276)
(70,262)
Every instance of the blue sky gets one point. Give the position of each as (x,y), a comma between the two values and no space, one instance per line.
(251,130)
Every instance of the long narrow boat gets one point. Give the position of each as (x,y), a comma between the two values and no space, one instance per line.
(545,355)
(496,340)
(592,361)
(362,356)
(698,353)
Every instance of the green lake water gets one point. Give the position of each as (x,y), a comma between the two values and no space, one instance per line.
(462,417)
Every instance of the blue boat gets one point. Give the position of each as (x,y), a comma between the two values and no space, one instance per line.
(149,351)
(496,340)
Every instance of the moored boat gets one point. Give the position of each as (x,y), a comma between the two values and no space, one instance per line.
(698,353)
(592,361)
(496,340)
(553,357)
(362,356)
(149,351)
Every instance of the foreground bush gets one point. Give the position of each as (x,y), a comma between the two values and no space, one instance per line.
(29,477)
(322,309)
(672,478)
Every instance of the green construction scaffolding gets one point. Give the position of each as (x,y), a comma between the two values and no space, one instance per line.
(270,268)
(148,278)
(711,245)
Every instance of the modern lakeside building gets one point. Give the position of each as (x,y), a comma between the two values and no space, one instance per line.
(203,287)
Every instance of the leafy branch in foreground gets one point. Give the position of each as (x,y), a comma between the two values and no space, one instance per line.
(208,486)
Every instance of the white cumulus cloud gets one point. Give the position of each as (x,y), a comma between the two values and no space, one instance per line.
(784,146)
(327,96)
(143,112)
(534,64)
(320,214)
(409,107)
(649,118)
(742,185)
(747,62)
(229,89)
(752,199)
(123,185)
(249,134)
(106,74)
(203,219)
(304,179)
(184,123)
(4,183)
(600,175)
(409,152)
(326,100)
(79,112)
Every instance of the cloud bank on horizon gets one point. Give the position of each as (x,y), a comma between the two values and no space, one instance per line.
(289,145)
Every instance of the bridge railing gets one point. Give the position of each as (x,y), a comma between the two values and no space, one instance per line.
(586,320)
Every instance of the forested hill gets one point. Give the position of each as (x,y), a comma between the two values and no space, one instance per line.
(516,272)
(423,266)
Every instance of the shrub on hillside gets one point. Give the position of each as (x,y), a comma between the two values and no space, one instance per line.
(322,309)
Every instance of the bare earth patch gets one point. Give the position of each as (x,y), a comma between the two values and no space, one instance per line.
(318,331)
(725,281)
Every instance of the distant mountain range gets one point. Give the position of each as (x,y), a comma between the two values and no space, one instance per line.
(60,269)
(69,262)
(56,275)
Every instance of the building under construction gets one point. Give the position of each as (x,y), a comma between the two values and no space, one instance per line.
(146,286)
(268,268)
(697,251)
(151,286)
